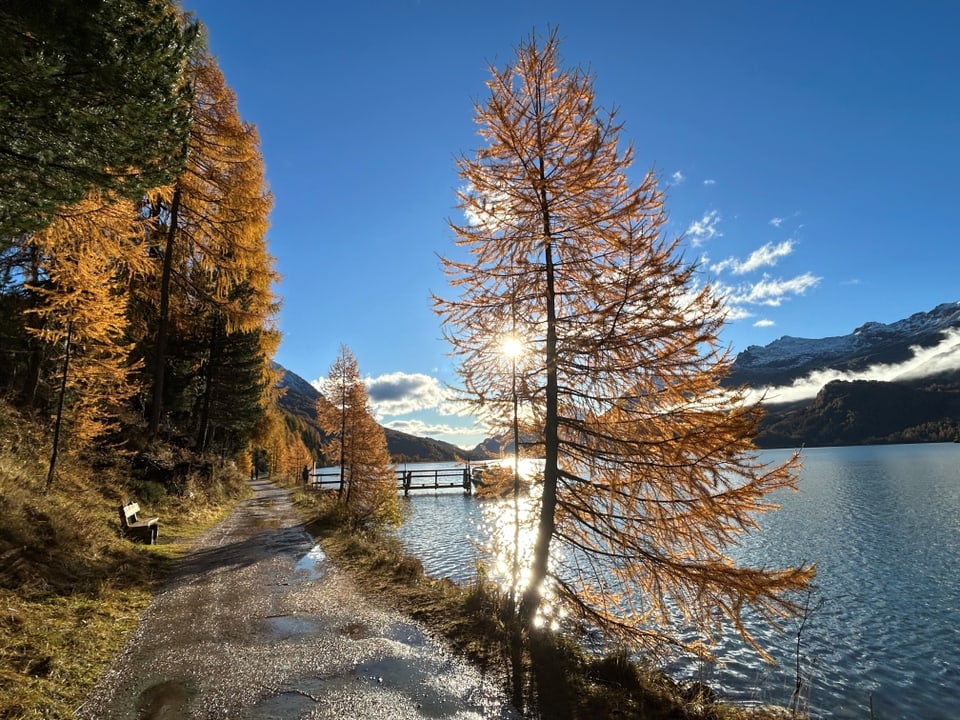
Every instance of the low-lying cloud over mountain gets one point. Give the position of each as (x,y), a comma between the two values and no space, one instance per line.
(881,383)
(925,362)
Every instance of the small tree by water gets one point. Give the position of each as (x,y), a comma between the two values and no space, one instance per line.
(368,486)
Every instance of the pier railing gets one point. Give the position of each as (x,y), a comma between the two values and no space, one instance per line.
(407,480)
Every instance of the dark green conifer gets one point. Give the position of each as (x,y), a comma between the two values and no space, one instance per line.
(92,95)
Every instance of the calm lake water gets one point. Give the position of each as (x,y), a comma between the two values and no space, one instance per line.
(882,525)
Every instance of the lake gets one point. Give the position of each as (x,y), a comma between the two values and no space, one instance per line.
(882,524)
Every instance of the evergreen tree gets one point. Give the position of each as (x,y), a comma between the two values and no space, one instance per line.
(649,469)
(92,95)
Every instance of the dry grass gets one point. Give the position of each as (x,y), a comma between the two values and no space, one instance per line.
(71,588)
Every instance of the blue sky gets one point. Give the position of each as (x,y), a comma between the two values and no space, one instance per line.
(810,153)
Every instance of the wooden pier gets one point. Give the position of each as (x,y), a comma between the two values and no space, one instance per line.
(407,480)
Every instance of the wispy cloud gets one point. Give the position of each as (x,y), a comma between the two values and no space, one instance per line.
(765,256)
(764,323)
(776,222)
(737,312)
(677,178)
(924,363)
(772,291)
(704,229)
(709,181)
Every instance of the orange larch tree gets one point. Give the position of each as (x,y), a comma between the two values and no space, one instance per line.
(368,482)
(87,255)
(650,473)
(214,276)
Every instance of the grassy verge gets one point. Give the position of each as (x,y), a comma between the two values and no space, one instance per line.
(71,588)
(545,673)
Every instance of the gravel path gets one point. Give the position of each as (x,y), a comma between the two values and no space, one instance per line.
(256,624)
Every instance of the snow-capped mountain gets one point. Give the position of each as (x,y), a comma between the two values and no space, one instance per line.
(880,384)
(789,359)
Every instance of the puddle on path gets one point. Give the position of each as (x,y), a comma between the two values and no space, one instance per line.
(167,700)
(295,699)
(311,566)
(407,634)
(284,627)
(407,676)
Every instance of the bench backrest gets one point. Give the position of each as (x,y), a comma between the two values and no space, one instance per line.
(129,512)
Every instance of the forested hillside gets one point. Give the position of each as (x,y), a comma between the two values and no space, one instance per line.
(137,302)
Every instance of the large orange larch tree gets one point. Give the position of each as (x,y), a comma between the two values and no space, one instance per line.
(650,474)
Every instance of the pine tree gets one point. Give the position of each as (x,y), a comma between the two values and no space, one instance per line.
(368,483)
(650,473)
(92,96)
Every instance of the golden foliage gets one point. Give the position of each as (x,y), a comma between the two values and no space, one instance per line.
(370,482)
(650,473)
(88,253)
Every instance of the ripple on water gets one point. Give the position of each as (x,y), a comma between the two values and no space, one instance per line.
(883,526)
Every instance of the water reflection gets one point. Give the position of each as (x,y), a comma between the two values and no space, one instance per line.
(508,528)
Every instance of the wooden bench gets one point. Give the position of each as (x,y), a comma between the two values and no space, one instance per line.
(146,530)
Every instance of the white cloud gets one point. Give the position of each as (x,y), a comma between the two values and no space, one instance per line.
(709,181)
(404,393)
(467,437)
(677,178)
(735,312)
(764,256)
(764,323)
(704,229)
(769,254)
(925,362)
(772,291)
(776,222)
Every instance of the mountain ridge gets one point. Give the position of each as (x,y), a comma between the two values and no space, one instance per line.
(920,405)
(789,358)
(918,402)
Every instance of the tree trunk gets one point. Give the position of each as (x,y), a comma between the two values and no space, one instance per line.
(63,391)
(163,329)
(210,384)
(548,505)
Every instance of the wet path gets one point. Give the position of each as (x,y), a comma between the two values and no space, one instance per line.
(256,624)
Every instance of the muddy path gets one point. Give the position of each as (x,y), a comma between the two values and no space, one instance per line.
(256,623)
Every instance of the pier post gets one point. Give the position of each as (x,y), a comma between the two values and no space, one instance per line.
(466,480)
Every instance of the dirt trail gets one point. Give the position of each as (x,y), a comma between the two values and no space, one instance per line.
(256,624)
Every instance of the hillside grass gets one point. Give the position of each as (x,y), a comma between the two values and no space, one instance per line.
(71,588)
